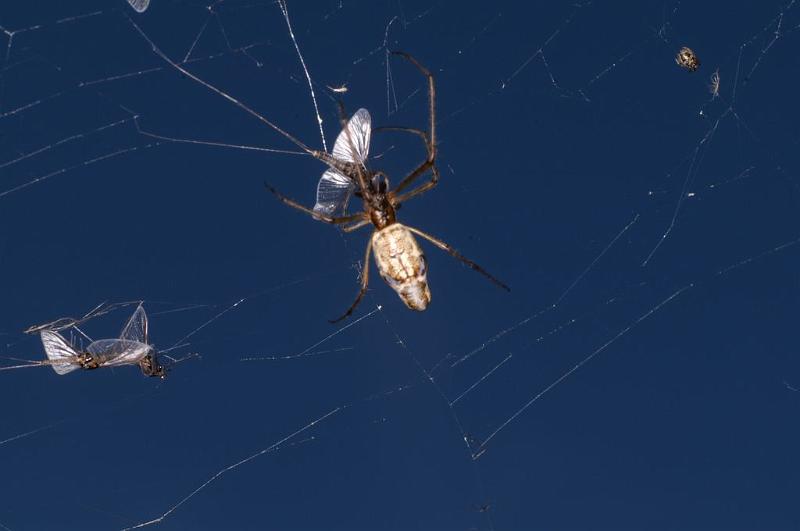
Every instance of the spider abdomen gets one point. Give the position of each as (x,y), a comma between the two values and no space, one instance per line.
(402,265)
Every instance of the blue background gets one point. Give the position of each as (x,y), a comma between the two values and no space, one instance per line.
(687,419)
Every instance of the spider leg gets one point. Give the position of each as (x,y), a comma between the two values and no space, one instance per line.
(424,165)
(364,284)
(420,189)
(455,254)
(355,226)
(428,138)
(316,215)
(431,96)
(422,134)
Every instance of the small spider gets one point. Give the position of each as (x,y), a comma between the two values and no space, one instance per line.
(398,256)
(687,59)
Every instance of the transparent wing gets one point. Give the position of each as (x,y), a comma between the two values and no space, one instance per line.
(334,189)
(360,128)
(61,354)
(114,352)
(139,5)
(136,327)
(333,192)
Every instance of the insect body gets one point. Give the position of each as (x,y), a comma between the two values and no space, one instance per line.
(687,59)
(131,348)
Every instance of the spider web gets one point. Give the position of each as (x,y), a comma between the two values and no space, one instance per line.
(644,360)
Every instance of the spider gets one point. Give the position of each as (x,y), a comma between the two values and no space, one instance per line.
(398,256)
(687,59)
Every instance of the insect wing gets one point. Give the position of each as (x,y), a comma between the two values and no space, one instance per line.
(352,145)
(359,131)
(333,192)
(139,5)
(115,352)
(136,327)
(61,354)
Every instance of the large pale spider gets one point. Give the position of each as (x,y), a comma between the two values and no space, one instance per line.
(397,253)
(398,256)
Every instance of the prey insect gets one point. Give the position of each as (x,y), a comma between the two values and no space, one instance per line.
(132,348)
(398,256)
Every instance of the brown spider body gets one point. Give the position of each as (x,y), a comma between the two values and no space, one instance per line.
(402,264)
(687,59)
(379,205)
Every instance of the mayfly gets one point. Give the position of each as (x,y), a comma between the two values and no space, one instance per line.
(132,348)
(398,256)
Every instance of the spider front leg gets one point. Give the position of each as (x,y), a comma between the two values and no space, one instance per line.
(420,189)
(364,284)
(355,226)
(361,216)
(455,254)
(431,96)
(424,166)
(429,138)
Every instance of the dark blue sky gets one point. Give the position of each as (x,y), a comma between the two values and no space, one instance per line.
(571,146)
